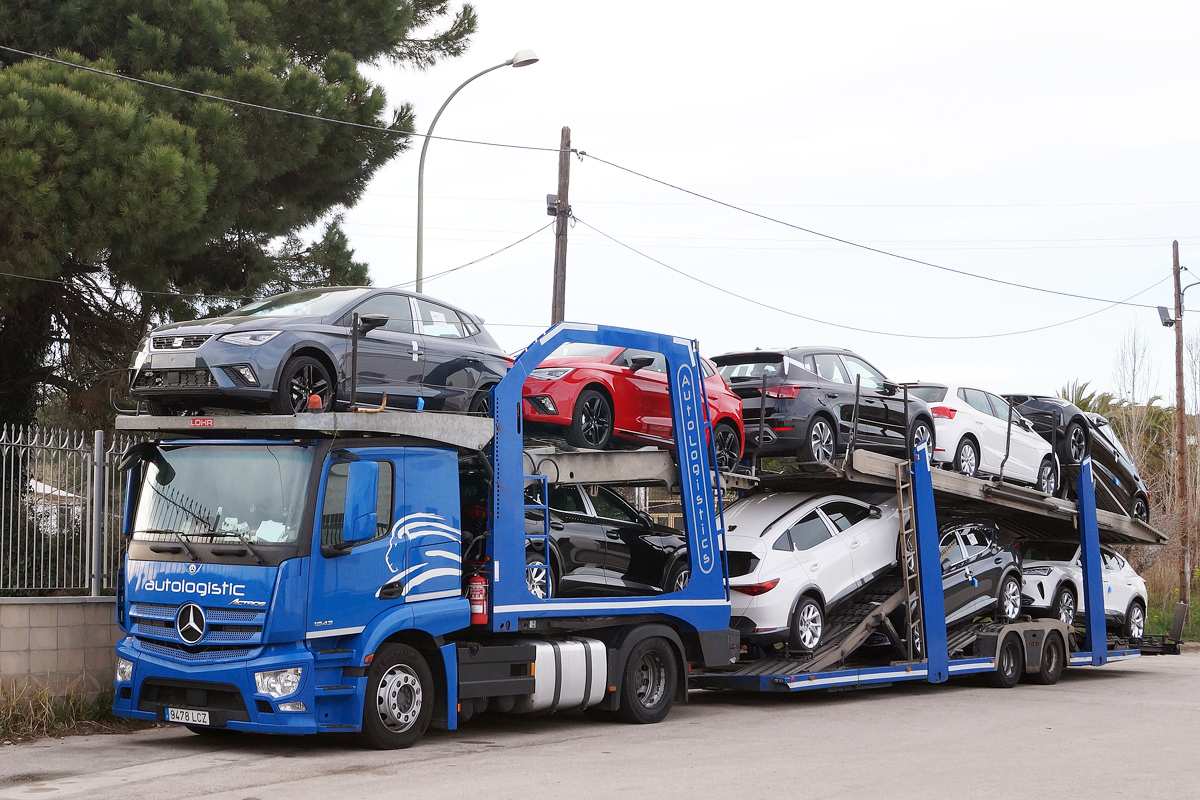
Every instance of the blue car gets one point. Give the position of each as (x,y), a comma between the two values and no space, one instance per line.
(275,353)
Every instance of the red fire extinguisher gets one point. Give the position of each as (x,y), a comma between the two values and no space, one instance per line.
(477,592)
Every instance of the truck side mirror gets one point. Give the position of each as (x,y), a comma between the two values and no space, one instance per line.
(362,499)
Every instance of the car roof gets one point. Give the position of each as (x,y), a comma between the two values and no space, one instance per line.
(787,351)
(756,512)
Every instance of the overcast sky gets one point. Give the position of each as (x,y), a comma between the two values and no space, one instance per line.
(1048,144)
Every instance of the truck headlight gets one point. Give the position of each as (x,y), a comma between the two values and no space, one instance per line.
(278,682)
(124,670)
(250,337)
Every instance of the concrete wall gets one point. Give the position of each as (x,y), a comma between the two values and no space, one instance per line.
(62,643)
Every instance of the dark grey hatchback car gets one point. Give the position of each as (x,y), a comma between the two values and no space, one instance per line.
(275,353)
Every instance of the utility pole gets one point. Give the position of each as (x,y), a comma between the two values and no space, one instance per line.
(1181,469)
(562,211)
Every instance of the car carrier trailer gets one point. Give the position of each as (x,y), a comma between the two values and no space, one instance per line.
(347,613)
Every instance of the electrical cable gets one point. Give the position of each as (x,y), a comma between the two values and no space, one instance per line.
(272,109)
(865,330)
(445,272)
(582,154)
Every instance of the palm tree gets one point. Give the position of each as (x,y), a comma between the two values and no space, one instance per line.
(1096,402)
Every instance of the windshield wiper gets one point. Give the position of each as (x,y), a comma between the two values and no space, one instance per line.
(258,559)
(187,545)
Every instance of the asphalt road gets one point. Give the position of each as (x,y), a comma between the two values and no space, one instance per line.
(1124,730)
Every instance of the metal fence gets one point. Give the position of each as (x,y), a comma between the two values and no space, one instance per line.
(61,495)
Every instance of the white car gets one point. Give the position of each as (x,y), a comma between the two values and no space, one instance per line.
(971,428)
(794,556)
(1053,586)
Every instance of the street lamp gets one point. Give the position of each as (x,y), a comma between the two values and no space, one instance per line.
(523,58)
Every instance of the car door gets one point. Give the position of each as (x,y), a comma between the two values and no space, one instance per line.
(651,411)
(881,407)
(838,389)
(1117,590)
(956,578)
(982,560)
(452,360)
(850,519)
(988,430)
(391,359)
(576,537)
(1111,465)
(635,556)
(825,557)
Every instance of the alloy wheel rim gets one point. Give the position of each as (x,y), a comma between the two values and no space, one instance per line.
(921,433)
(651,681)
(1066,608)
(1047,482)
(538,581)
(594,422)
(967,460)
(1136,622)
(822,441)
(810,626)
(727,449)
(399,698)
(1078,444)
(1012,599)
(681,580)
(308,381)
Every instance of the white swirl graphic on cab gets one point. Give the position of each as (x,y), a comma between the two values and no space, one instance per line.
(432,549)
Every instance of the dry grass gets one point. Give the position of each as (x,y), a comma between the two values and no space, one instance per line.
(35,714)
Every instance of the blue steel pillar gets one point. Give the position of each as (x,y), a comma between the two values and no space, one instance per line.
(1093,575)
(929,569)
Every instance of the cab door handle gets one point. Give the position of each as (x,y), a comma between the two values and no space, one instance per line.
(391,591)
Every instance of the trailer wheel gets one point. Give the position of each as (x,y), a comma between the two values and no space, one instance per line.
(1009,659)
(648,688)
(399,699)
(1054,660)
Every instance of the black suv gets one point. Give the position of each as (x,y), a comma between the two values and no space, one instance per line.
(804,397)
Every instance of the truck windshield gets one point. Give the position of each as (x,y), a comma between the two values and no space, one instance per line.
(215,493)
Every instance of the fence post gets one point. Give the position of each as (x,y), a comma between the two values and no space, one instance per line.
(97,510)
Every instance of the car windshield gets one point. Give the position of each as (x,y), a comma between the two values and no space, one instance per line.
(304,303)
(211,493)
(1048,551)
(754,368)
(930,394)
(582,350)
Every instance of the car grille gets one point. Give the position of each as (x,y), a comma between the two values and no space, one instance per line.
(175,379)
(180,342)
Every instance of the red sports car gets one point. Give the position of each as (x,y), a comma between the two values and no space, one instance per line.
(598,392)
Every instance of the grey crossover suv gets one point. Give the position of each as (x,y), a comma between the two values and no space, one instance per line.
(277,352)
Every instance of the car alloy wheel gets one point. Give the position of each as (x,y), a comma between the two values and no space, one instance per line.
(820,440)
(728,447)
(1047,477)
(1064,607)
(310,379)
(1135,624)
(966,458)
(595,420)
(537,577)
(809,625)
(1140,510)
(1076,442)
(1010,599)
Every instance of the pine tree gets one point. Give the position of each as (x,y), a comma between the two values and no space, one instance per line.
(111,191)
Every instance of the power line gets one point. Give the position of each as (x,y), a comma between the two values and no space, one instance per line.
(443,273)
(864,330)
(271,109)
(859,245)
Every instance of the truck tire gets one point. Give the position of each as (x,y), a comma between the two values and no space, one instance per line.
(399,699)
(1054,660)
(649,683)
(1010,661)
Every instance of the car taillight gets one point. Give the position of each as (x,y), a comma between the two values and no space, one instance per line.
(509,361)
(754,589)
(784,391)
(945,412)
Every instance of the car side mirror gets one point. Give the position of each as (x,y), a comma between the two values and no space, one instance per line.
(641,362)
(875,512)
(362,499)
(369,322)
(646,519)
(890,388)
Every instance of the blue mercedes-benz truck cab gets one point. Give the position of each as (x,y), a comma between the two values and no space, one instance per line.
(262,577)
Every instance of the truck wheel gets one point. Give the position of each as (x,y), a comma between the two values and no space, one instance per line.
(399,699)
(1054,659)
(1009,660)
(648,686)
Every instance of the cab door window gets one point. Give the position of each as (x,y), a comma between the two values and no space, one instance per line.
(333,509)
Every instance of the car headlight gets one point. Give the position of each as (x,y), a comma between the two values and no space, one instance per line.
(551,373)
(1036,570)
(247,338)
(278,682)
(124,670)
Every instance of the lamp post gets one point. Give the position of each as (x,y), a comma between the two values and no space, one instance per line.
(522,59)
(1181,476)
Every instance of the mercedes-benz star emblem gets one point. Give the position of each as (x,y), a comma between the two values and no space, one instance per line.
(189,622)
